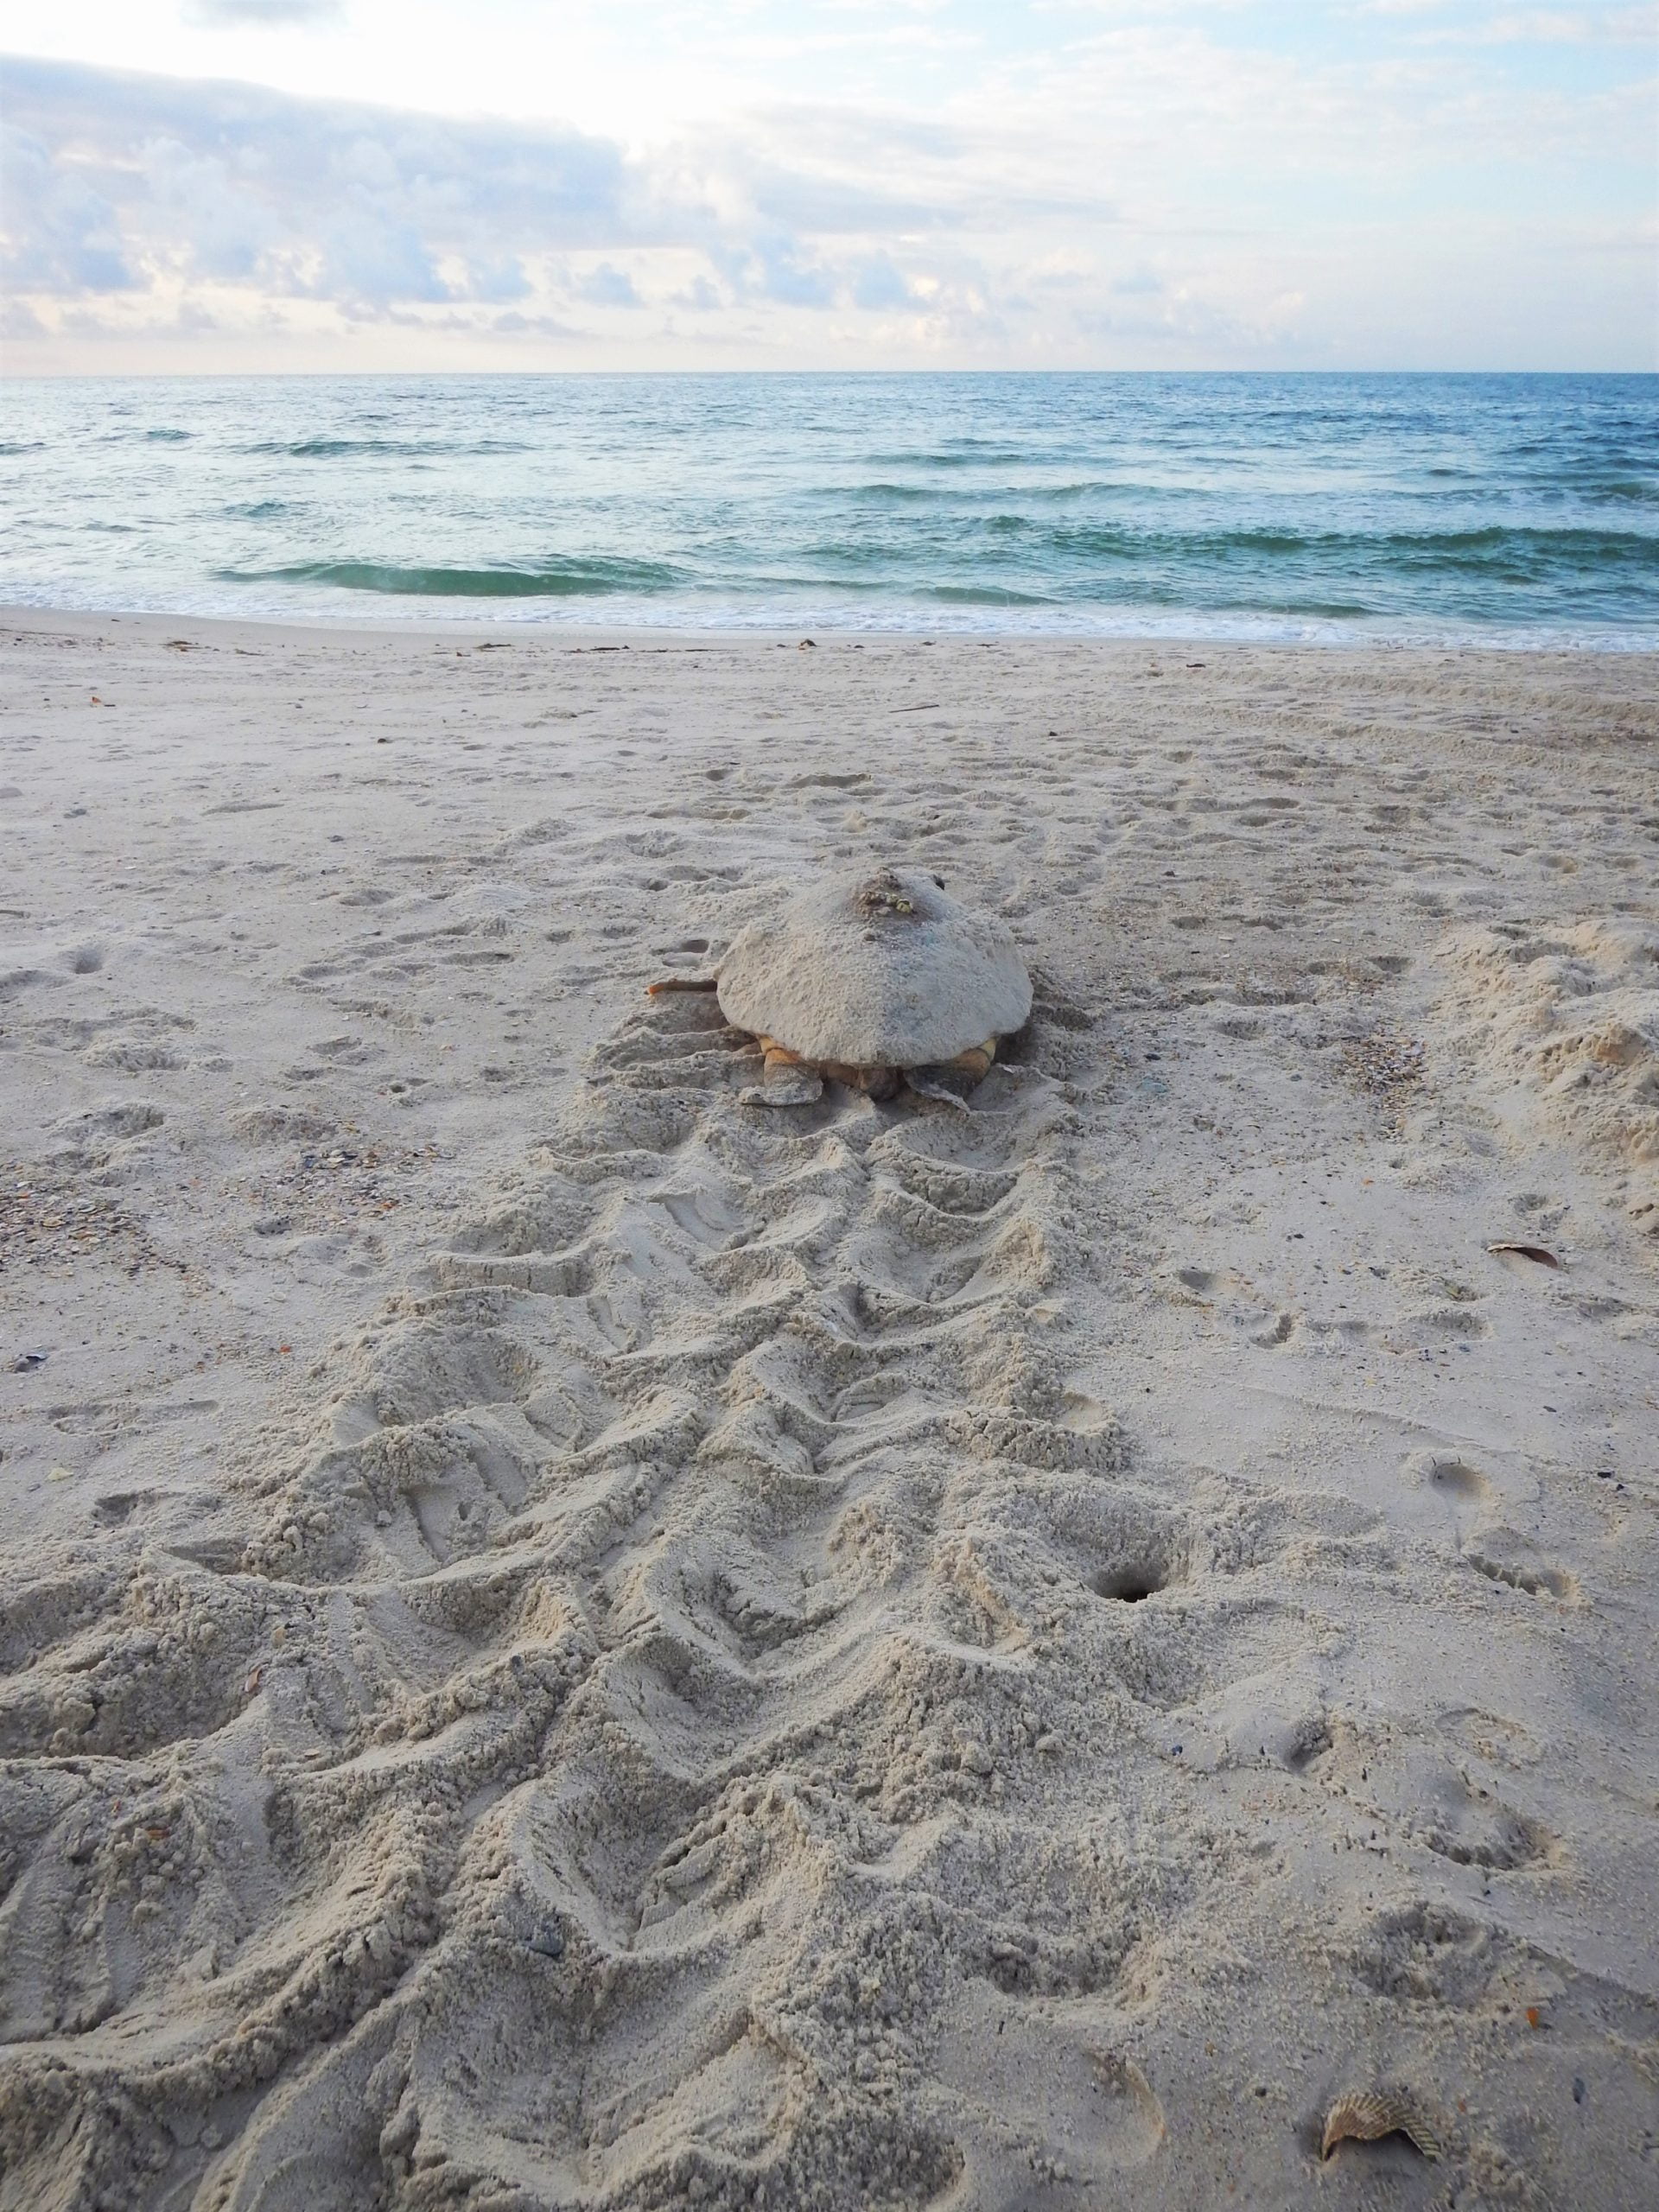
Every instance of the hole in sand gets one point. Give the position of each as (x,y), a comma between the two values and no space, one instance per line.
(1458,1477)
(1447,1474)
(1127,1585)
(113,1511)
(1313,1744)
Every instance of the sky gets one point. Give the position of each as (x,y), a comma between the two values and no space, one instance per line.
(218,185)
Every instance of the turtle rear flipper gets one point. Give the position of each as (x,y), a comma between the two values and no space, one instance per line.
(952,1080)
(878,1083)
(785,1079)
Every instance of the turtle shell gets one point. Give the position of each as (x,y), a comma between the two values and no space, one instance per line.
(882,970)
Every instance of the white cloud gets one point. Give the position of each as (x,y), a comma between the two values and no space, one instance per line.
(119,181)
(1154,185)
(1582,25)
(228,228)
(240,13)
(879,284)
(607,286)
(19,321)
(62,235)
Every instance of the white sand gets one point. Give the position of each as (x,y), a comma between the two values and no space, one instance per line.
(567,1642)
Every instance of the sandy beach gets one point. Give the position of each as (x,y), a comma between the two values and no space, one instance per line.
(568,1641)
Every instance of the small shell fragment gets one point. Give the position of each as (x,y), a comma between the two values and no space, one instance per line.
(1367,2115)
(1533,1252)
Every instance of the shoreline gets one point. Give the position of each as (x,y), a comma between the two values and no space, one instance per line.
(564,1627)
(26,616)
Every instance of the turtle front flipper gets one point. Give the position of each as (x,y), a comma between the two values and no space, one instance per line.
(682,983)
(952,1080)
(785,1079)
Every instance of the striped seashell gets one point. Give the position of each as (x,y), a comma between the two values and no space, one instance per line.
(1367,2115)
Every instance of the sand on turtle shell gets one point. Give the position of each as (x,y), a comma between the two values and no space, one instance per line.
(876,970)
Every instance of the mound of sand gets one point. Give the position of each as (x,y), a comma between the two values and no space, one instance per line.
(1569,1019)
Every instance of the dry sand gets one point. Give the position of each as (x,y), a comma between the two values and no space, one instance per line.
(567,1642)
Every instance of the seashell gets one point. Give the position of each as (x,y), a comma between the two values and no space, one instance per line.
(1367,2115)
(1537,1253)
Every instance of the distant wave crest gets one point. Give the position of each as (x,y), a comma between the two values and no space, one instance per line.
(986,595)
(569,579)
(388,448)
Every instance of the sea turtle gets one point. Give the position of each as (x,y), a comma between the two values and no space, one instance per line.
(874,980)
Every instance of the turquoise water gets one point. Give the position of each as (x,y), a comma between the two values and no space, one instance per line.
(1505,509)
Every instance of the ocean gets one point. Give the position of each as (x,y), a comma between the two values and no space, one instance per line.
(1498,510)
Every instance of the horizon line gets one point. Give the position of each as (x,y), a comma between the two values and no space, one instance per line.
(9,378)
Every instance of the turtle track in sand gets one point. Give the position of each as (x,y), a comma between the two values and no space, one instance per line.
(707,1705)
(630,1521)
